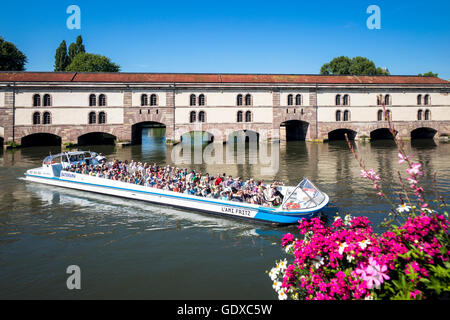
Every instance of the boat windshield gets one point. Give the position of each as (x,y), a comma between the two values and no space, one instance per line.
(304,196)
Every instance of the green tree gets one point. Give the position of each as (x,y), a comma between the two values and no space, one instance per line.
(351,66)
(89,62)
(61,57)
(76,48)
(428,74)
(11,58)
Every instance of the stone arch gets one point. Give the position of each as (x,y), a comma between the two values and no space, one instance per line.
(96,138)
(294,130)
(243,135)
(136,130)
(40,139)
(196,135)
(423,133)
(381,134)
(339,134)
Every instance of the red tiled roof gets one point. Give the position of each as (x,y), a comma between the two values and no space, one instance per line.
(210,78)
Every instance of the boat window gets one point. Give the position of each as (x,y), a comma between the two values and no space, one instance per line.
(304,196)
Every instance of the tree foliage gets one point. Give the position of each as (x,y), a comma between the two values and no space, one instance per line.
(11,58)
(89,62)
(352,66)
(428,74)
(61,57)
(76,48)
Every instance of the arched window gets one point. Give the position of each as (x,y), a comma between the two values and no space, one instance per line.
(387,100)
(427,114)
(201,100)
(192,116)
(47,100)
(338,115)
(101,117)
(338,99)
(36,100)
(248,116)
(290,100)
(144,100)
(192,100)
(346,115)
(380,115)
(92,117)
(426,100)
(239,116)
(201,116)
(36,118)
(92,100)
(298,100)
(419,99)
(248,100)
(47,118)
(346,100)
(388,115)
(239,100)
(153,100)
(379,97)
(419,115)
(102,100)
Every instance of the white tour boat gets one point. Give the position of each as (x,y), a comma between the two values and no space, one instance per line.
(301,201)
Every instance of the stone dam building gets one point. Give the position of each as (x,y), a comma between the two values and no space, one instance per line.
(70,107)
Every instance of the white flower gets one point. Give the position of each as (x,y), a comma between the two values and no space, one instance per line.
(403,208)
(337,218)
(282,295)
(342,247)
(348,218)
(350,258)
(363,244)
(369,297)
(288,247)
(282,264)
(273,274)
(276,285)
(318,262)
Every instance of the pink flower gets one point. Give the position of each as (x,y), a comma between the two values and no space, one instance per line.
(414,169)
(402,158)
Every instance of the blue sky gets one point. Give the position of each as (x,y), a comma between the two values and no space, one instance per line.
(236,36)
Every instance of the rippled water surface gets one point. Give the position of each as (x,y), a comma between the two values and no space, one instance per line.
(132,249)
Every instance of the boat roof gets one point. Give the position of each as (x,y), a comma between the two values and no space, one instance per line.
(68,153)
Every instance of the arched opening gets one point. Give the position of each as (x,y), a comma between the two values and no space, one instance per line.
(96,138)
(423,133)
(148,132)
(339,134)
(203,137)
(243,136)
(2,135)
(41,139)
(381,134)
(295,130)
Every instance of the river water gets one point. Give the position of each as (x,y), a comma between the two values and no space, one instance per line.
(130,249)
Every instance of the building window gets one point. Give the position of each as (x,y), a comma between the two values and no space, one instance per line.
(47,100)
(379,97)
(201,116)
(102,117)
(387,115)
(192,117)
(427,114)
(102,100)
(387,100)
(419,99)
(153,100)
(346,115)
(239,116)
(338,99)
(290,100)
(346,100)
(144,100)
(47,118)
(201,100)
(248,116)
(239,100)
(92,117)
(192,100)
(298,100)
(419,115)
(380,115)
(92,100)
(248,100)
(426,100)
(338,115)
(36,118)
(36,100)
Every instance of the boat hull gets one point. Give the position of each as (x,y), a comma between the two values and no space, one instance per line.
(193,203)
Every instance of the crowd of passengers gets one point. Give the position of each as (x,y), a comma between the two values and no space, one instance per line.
(221,186)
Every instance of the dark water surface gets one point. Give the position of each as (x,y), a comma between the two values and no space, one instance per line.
(131,249)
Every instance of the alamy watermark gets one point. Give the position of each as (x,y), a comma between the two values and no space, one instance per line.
(374,20)
(74,20)
(74,280)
